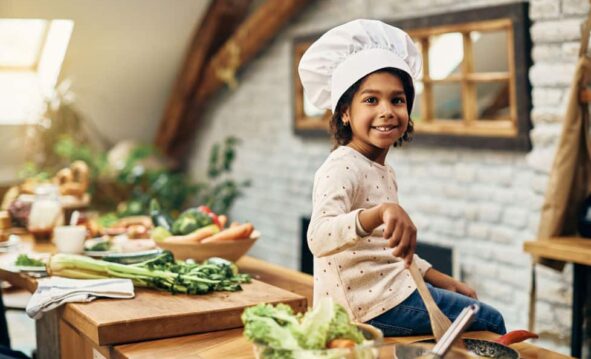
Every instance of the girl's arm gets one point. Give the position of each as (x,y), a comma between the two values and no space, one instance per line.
(399,230)
(441,280)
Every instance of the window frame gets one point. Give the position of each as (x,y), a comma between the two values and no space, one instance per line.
(481,134)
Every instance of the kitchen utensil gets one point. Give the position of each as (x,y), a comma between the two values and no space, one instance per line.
(499,348)
(439,322)
(464,319)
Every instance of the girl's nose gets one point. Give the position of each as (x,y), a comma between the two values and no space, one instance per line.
(386,110)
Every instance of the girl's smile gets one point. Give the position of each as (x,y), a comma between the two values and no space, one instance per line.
(378,115)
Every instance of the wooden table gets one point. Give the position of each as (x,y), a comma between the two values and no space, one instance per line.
(232,344)
(576,250)
(74,343)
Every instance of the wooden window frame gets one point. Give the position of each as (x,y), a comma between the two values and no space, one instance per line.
(303,125)
(510,134)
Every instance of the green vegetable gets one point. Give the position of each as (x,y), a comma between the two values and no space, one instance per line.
(159,234)
(100,246)
(161,272)
(159,218)
(25,261)
(189,221)
(288,335)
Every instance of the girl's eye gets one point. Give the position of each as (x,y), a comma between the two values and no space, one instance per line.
(371,100)
(398,100)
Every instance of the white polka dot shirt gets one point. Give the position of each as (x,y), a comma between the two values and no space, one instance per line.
(359,272)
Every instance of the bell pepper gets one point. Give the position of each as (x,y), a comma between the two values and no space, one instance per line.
(214,217)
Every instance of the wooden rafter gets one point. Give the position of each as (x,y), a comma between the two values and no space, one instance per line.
(249,39)
(219,22)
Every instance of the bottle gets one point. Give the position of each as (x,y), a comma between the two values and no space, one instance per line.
(46,212)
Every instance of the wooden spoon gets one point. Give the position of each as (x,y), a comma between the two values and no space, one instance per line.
(439,322)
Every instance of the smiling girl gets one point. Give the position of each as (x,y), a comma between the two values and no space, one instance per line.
(361,238)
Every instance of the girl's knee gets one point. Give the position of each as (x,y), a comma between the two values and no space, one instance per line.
(491,319)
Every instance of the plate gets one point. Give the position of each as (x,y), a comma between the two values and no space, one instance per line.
(12,240)
(30,268)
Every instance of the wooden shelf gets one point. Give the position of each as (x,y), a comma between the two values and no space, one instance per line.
(568,249)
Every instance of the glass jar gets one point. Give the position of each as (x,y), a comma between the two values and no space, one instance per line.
(46,212)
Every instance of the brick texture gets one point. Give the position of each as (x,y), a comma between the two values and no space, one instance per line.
(483,203)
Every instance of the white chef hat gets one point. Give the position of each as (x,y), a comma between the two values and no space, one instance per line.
(348,52)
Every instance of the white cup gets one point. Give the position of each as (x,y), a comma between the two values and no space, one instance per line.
(69,239)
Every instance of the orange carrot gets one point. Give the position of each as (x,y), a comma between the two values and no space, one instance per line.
(340,343)
(237,232)
(223,219)
(195,236)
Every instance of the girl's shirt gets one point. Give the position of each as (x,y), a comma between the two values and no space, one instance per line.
(359,272)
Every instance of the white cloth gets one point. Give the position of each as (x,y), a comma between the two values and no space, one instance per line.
(55,291)
(349,52)
(359,272)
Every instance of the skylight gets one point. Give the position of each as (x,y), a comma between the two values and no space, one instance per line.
(30,63)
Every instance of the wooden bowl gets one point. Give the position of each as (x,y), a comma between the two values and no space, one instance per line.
(230,250)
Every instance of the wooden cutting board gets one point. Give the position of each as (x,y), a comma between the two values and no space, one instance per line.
(155,314)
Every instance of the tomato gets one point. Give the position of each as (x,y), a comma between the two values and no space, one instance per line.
(213,216)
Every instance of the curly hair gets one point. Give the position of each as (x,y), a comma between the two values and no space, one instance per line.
(342,134)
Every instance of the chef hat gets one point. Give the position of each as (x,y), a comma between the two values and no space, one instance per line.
(348,52)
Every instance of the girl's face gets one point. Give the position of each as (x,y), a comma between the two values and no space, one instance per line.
(378,115)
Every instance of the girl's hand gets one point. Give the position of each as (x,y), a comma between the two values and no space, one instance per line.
(438,279)
(465,289)
(399,230)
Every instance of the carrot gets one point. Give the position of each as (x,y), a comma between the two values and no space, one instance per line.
(223,219)
(234,224)
(237,232)
(340,343)
(195,236)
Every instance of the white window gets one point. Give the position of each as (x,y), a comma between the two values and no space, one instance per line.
(31,56)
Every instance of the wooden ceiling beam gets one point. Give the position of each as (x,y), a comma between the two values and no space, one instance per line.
(219,22)
(249,39)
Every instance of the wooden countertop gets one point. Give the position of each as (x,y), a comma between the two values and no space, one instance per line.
(568,249)
(232,344)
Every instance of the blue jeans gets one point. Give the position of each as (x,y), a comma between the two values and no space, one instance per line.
(411,317)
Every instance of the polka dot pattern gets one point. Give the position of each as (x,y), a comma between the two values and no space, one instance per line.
(359,272)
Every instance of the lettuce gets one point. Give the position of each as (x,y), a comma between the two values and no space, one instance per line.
(288,335)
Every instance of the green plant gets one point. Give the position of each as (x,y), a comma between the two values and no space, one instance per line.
(220,191)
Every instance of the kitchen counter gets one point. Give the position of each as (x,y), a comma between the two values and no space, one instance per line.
(232,344)
(72,331)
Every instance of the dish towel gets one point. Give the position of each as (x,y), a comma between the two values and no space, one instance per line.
(55,291)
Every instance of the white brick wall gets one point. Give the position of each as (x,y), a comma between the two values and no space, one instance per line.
(483,203)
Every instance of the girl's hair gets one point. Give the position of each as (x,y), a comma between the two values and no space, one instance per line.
(342,134)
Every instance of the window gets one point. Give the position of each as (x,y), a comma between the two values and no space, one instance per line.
(474,90)
(30,61)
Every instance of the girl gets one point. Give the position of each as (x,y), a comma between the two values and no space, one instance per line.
(363,71)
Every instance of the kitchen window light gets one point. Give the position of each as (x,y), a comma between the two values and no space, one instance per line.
(32,54)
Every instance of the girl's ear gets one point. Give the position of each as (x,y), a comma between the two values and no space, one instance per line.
(346,117)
